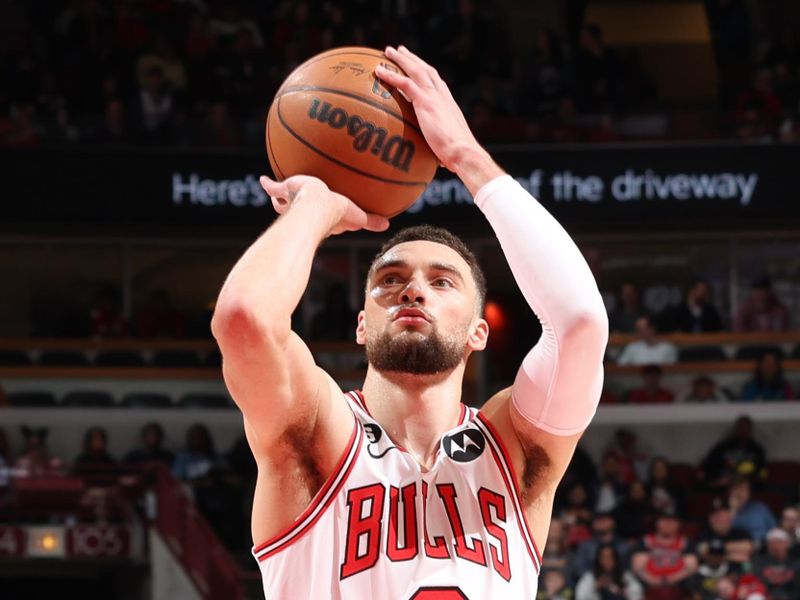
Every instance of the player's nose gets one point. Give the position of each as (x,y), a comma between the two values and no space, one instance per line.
(413,291)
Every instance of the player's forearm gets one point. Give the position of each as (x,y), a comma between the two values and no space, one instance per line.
(547,265)
(266,284)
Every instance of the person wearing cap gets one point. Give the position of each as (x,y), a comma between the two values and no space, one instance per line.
(779,571)
(713,566)
(664,560)
(720,531)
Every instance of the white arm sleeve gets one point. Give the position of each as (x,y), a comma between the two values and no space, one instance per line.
(558,386)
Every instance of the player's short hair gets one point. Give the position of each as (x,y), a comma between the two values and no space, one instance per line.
(439,235)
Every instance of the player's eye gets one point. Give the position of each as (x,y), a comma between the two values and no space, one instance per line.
(390,280)
(442,283)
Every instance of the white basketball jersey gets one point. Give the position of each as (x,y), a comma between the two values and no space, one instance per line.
(382,528)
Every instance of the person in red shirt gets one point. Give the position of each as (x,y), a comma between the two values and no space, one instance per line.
(664,558)
(651,390)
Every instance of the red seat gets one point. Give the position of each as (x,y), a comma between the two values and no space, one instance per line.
(775,500)
(683,474)
(783,472)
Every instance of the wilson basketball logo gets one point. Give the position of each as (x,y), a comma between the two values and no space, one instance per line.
(396,151)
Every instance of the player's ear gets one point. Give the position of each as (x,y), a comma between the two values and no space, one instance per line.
(361,329)
(479,335)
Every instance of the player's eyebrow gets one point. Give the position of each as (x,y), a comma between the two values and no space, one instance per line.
(397,263)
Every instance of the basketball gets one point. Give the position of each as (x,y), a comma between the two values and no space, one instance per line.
(333,119)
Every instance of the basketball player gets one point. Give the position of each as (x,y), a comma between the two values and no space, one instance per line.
(399,491)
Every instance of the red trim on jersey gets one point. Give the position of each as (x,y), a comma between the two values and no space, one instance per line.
(363,403)
(513,487)
(463,412)
(321,500)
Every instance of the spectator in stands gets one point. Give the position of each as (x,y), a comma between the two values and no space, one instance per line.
(624,317)
(596,71)
(577,512)
(608,579)
(696,314)
(604,532)
(114,127)
(737,455)
(557,557)
(768,382)
(713,567)
(651,391)
(648,349)
(762,310)
(36,460)
(581,468)
(611,489)
(159,317)
(206,475)
(553,586)
(790,523)
(665,494)
(105,315)
(634,515)
(163,57)
(704,389)
(634,461)
(777,569)
(151,439)
(95,451)
(154,106)
(758,108)
(664,560)
(336,318)
(753,516)
(737,544)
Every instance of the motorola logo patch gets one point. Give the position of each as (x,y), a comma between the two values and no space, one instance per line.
(465,445)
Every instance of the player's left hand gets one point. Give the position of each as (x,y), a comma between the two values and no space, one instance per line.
(440,119)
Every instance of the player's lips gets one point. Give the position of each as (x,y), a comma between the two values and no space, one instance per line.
(411,316)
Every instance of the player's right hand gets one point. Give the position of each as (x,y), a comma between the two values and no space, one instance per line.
(345,215)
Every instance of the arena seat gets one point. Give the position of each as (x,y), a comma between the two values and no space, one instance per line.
(31,399)
(700,505)
(701,354)
(683,474)
(14,358)
(119,358)
(783,472)
(196,400)
(177,358)
(775,500)
(88,399)
(755,352)
(146,400)
(63,358)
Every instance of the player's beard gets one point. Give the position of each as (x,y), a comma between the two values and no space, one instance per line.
(413,353)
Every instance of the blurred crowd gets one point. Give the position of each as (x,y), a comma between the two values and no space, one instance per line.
(221,483)
(628,527)
(203,72)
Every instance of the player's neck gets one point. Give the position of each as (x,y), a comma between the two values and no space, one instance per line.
(415,410)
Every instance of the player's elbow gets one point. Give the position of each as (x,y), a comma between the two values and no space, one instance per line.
(239,324)
(588,326)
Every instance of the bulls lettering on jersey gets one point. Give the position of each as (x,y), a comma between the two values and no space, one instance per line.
(382,528)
